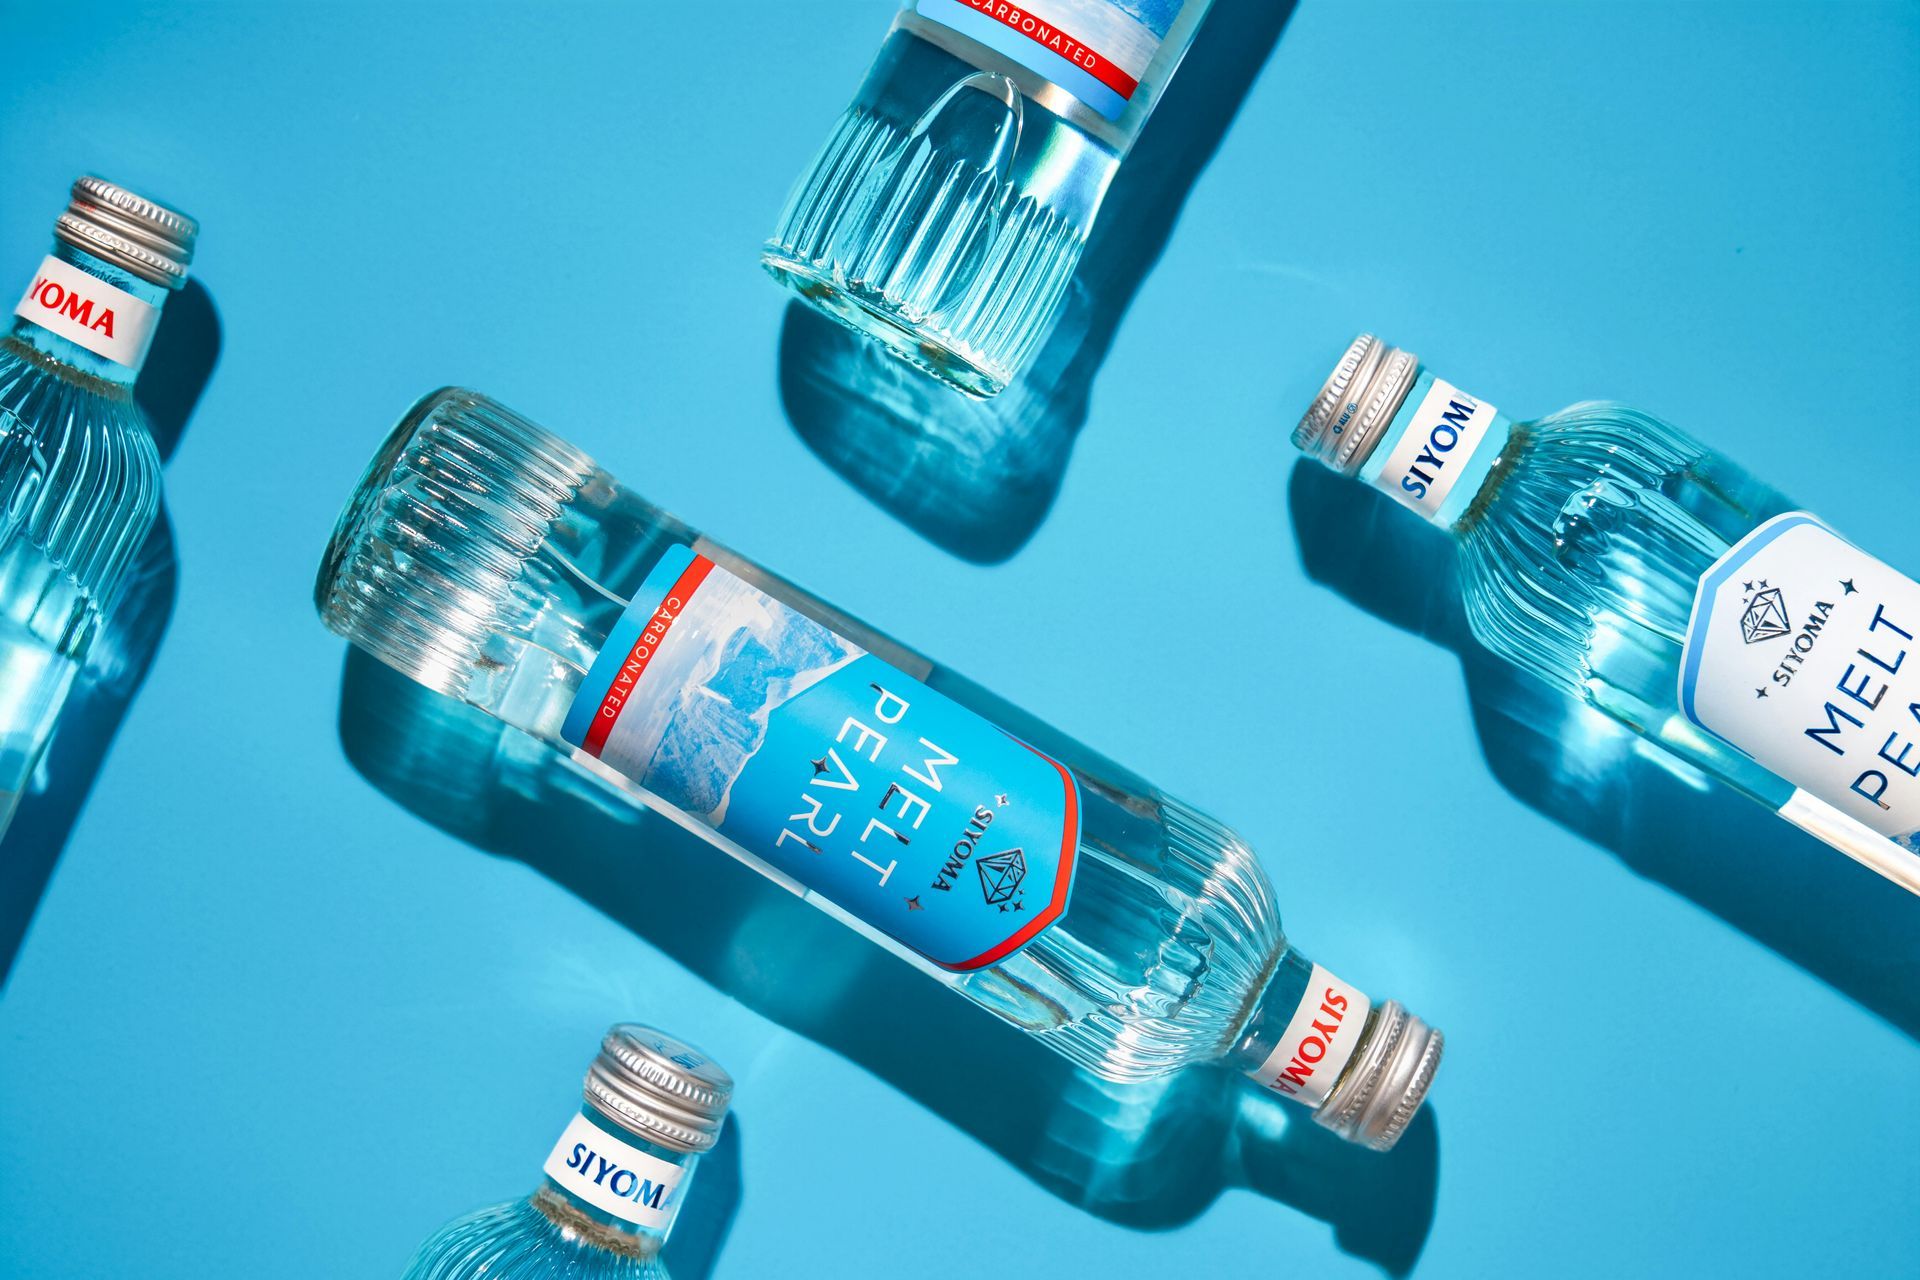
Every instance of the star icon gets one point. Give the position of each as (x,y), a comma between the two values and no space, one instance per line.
(1002,801)
(1003,908)
(1020,904)
(1747,587)
(1848,584)
(819,766)
(913,903)
(1760,693)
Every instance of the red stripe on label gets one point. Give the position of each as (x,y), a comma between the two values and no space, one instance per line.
(671,606)
(1054,40)
(1062,883)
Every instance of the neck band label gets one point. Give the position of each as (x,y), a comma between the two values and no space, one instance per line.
(1433,448)
(1096,50)
(1318,1042)
(614,1176)
(842,772)
(89,312)
(1802,653)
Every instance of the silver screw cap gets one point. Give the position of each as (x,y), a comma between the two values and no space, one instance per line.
(1356,403)
(1383,1087)
(130,231)
(663,1089)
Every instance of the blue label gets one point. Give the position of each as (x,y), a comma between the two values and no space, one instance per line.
(1097,50)
(893,801)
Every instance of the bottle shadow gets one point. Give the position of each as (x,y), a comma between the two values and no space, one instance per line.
(1665,820)
(1147,1156)
(977,477)
(185,349)
(700,1229)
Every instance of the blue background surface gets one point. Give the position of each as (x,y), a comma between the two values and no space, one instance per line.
(268,1022)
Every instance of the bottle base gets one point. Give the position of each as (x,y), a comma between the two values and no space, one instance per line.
(868,312)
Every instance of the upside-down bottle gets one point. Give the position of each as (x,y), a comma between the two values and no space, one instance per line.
(614,1182)
(492,561)
(1608,554)
(947,210)
(79,470)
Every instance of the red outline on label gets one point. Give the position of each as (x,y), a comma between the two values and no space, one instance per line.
(1062,880)
(678,596)
(1103,69)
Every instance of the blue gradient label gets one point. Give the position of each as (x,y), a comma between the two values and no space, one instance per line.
(892,800)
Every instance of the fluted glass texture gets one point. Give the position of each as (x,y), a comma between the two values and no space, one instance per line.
(488,559)
(81,479)
(944,216)
(1582,555)
(518,1242)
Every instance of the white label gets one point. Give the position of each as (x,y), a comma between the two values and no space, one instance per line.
(1318,1041)
(1432,452)
(86,310)
(1801,653)
(615,1177)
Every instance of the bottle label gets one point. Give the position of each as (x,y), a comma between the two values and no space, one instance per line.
(893,801)
(1801,653)
(1318,1042)
(1438,450)
(614,1176)
(1096,50)
(86,310)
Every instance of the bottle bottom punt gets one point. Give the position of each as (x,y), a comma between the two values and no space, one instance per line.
(868,313)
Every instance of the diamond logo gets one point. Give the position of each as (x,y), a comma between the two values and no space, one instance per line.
(1766,616)
(1001,874)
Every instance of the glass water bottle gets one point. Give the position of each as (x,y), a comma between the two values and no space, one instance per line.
(79,470)
(614,1181)
(947,210)
(1607,553)
(494,562)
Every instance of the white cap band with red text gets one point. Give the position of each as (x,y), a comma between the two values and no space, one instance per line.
(1319,1040)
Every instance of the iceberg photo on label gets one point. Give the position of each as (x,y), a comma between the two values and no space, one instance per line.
(760,654)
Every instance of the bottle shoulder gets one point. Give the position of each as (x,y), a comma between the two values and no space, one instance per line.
(1604,451)
(516,1239)
(60,405)
(79,471)
(1597,522)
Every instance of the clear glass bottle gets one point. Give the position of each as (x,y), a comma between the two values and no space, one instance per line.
(615,1180)
(492,561)
(948,209)
(78,466)
(1608,554)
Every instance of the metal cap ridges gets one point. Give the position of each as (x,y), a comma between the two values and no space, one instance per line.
(661,1088)
(1356,403)
(1384,1085)
(143,236)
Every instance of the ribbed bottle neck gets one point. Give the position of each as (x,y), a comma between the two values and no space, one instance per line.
(593,1228)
